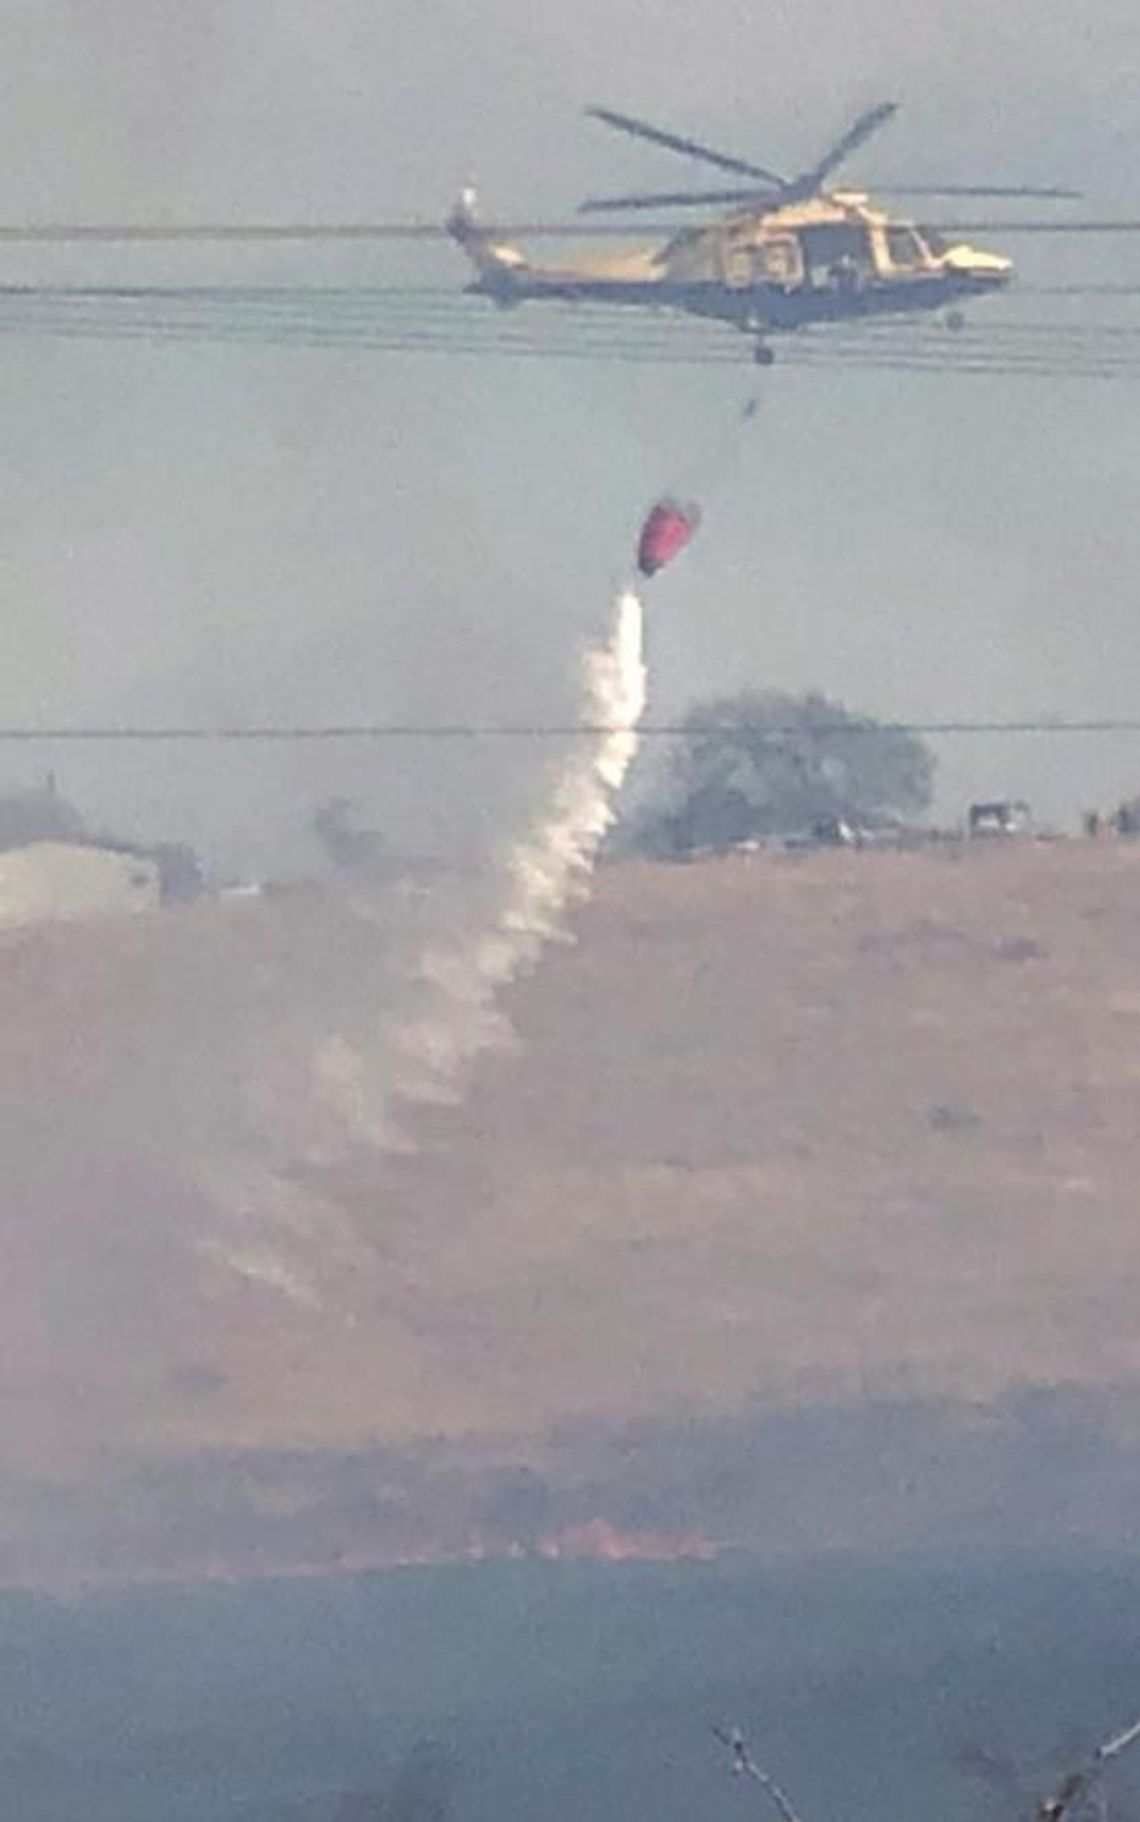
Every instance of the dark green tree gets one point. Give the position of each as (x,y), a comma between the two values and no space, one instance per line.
(349,848)
(762,763)
(39,815)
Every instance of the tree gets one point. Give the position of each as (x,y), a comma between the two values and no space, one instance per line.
(349,848)
(39,815)
(762,763)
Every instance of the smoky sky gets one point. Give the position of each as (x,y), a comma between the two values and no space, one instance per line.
(278,534)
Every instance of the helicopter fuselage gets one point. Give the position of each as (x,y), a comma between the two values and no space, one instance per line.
(829,259)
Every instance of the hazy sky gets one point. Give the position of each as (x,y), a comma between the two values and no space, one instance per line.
(275,533)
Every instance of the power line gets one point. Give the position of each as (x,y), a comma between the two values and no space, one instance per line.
(427,320)
(419,229)
(461,731)
(1078,363)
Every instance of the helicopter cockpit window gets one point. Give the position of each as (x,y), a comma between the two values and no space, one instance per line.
(906,250)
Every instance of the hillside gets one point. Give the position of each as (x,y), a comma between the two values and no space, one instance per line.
(800,1211)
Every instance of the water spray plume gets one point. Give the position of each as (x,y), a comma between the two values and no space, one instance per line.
(544,872)
(281,1234)
(545,868)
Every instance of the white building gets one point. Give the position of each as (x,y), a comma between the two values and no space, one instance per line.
(49,881)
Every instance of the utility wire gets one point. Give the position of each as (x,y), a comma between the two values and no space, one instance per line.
(408,320)
(1104,364)
(413,229)
(376,731)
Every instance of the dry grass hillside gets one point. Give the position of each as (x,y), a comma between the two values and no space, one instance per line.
(802,1210)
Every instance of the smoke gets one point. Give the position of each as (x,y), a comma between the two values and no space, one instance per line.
(460,979)
(284,1216)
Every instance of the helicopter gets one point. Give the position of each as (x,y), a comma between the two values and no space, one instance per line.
(789,252)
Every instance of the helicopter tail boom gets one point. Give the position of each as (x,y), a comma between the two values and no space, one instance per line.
(498,264)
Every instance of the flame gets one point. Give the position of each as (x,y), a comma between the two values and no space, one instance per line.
(599,1541)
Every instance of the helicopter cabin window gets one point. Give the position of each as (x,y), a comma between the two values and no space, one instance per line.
(906,250)
(832,249)
(738,267)
(780,260)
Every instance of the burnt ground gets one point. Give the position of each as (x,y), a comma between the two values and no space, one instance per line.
(801,1211)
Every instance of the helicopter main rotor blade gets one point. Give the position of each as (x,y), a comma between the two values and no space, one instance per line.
(218,231)
(1122,225)
(691,148)
(1034,192)
(255,233)
(809,183)
(680,199)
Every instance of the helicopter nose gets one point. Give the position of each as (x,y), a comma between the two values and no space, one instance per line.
(981,271)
